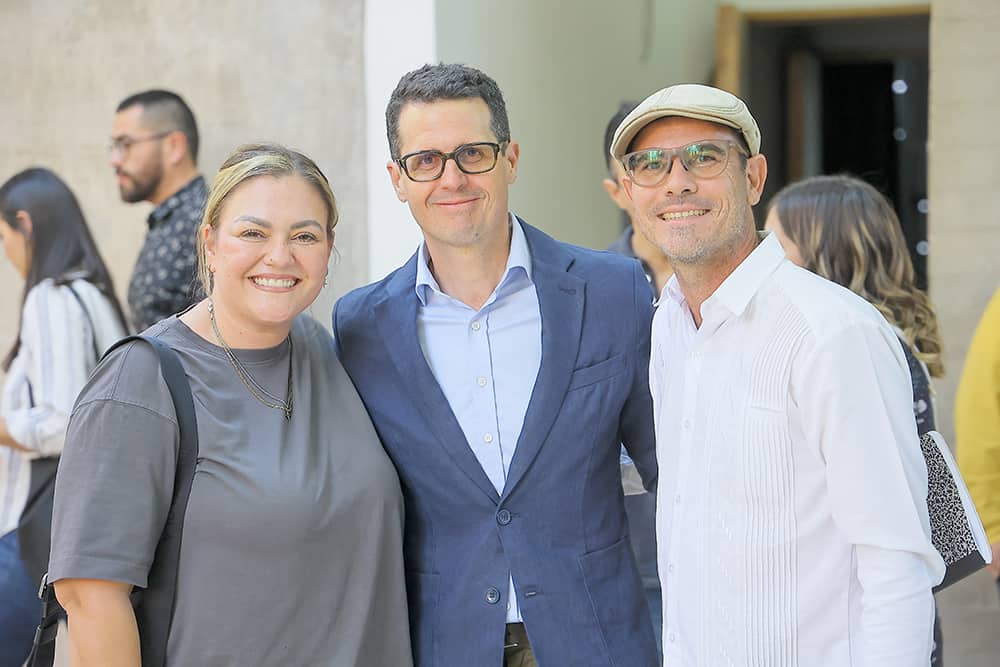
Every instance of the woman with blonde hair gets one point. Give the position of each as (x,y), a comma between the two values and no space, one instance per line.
(292,538)
(845,230)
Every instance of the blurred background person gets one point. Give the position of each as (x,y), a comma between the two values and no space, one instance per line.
(845,230)
(977,424)
(154,152)
(640,505)
(69,315)
(654,262)
(294,520)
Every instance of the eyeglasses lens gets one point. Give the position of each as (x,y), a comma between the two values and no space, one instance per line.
(471,159)
(703,159)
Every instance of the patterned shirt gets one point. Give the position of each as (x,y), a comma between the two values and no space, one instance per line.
(164,280)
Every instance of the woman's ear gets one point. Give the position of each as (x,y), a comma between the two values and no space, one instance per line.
(24,224)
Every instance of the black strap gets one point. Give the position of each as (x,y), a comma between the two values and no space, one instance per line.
(154,606)
(90,321)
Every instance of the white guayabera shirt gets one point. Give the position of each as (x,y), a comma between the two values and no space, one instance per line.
(791,513)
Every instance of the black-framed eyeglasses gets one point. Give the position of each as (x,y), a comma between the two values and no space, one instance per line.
(477,158)
(123,144)
(703,159)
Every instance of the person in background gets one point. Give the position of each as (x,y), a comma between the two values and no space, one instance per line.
(977,424)
(640,507)
(69,315)
(792,521)
(292,538)
(845,230)
(154,152)
(655,264)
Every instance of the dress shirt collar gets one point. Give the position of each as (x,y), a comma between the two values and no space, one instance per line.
(194,191)
(519,257)
(734,294)
(736,291)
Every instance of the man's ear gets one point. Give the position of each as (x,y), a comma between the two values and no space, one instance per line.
(756,176)
(627,185)
(176,147)
(396,175)
(617,194)
(513,156)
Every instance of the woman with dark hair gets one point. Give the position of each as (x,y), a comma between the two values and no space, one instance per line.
(69,315)
(846,231)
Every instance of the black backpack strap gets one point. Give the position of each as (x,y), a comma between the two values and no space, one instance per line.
(154,606)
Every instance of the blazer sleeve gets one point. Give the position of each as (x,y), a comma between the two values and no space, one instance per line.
(636,426)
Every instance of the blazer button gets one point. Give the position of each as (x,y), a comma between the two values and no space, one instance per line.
(503,517)
(492,595)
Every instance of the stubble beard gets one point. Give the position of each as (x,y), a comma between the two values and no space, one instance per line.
(142,188)
(688,248)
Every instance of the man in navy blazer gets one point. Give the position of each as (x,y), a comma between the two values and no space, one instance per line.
(502,370)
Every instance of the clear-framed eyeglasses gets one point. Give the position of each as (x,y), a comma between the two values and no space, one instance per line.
(703,159)
(476,158)
(121,145)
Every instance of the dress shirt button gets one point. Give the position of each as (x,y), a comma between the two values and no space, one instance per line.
(492,595)
(687,424)
(481,381)
(671,637)
(503,517)
(670,568)
(476,326)
(677,499)
(488,438)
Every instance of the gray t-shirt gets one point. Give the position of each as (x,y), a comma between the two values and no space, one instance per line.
(292,547)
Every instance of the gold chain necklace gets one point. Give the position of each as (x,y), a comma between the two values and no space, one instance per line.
(255,389)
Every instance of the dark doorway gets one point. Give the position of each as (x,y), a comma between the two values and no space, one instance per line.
(875,127)
(835,94)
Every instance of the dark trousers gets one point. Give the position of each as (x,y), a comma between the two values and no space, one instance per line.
(19,605)
(516,649)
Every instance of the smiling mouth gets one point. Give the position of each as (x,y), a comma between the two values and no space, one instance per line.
(279,283)
(456,203)
(680,215)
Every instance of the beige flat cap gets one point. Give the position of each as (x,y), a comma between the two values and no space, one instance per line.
(690,100)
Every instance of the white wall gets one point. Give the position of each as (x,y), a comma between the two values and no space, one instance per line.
(399,37)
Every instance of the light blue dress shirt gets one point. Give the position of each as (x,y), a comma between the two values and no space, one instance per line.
(486,361)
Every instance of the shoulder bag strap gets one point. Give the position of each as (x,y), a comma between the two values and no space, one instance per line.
(154,606)
(90,322)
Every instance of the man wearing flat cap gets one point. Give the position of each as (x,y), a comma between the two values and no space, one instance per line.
(792,519)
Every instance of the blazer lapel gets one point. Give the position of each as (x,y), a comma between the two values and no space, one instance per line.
(561,297)
(396,316)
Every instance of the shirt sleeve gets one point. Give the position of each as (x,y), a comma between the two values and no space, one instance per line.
(57,345)
(856,401)
(636,426)
(115,480)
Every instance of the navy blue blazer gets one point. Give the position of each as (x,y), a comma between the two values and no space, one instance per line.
(559,526)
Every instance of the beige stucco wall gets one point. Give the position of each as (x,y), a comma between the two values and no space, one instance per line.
(963,175)
(289,72)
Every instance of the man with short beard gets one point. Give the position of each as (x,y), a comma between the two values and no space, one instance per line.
(154,151)
(792,524)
